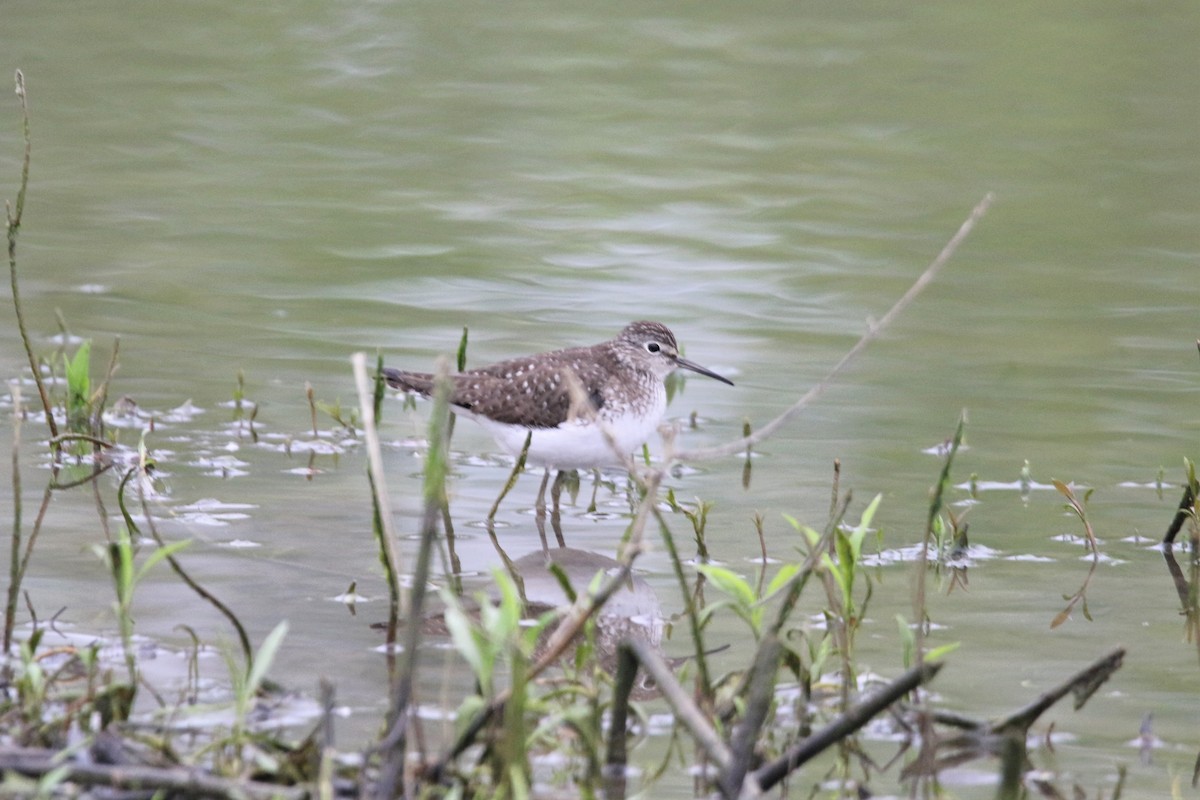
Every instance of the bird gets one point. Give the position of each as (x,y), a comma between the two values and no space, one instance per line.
(622,381)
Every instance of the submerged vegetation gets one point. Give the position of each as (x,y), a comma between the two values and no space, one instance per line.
(576,680)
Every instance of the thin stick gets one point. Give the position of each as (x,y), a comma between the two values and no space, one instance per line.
(626,674)
(682,704)
(102,395)
(14,564)
(393,748)
(690,611)
(517,469)
(14,224)
(180,781)
(758,703)
(1082,685)
(378,484)
(767,776)
(79,437)
(176,567)
(1185,511)
(768,430)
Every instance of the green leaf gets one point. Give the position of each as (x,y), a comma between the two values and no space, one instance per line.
(265,655)
(517,782)
(937,653)
(461,357)
(730,583)
(465,640)
(51,780)
(509,617)
(859,533)
(781,579)
(755,618)
(471,707)
(158,555)
(121,554)
(908,641)
(819,657)
(78,381)
(809,534)
(709,610)
(843,571)
(530,634)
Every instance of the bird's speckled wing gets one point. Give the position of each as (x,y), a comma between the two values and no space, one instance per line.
(532,392)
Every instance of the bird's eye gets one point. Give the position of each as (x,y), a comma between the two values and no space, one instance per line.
(653,347)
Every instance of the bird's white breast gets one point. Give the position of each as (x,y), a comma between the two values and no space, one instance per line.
(581,443)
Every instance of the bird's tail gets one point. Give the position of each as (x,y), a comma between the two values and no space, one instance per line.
(419,382)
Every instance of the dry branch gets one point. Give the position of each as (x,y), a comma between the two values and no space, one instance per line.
(768,430)
(771,774)
(178,781)
(1082,685)
(1185,511)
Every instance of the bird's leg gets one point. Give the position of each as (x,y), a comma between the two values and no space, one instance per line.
(555,512)
(556,524)
(540,504)
(595,490)
(560,480)
(539,521)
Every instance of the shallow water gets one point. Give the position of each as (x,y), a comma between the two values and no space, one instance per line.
(236,187)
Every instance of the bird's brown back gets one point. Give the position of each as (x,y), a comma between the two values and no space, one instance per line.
(529,391)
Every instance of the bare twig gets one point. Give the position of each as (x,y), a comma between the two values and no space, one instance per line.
(517,469)
(102,393)
(183,781)
(1006,737)
(767,776)
(758,704)
(1082,685)
(14,563)
(768,430)
(1187,506)
(681,703)
(1077,507)
(394,746)
(692,613)
(13,214)
(378,484)
(177,568)
(79,437)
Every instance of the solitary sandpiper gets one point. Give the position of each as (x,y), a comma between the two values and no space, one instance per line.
(621,380)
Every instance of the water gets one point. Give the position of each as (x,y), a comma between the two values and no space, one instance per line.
(240,187)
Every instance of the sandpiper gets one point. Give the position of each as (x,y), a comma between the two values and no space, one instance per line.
(622,380)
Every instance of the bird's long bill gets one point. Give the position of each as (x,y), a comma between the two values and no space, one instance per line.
(694,367)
